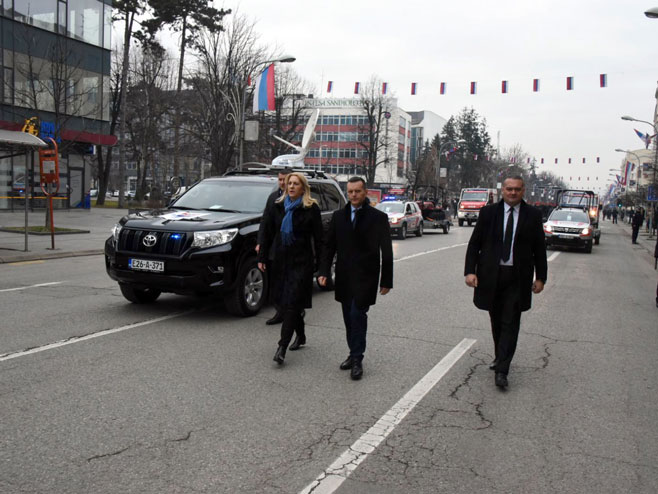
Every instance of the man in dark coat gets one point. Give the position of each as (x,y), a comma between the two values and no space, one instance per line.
(358,234)
(636,223)
(506,251)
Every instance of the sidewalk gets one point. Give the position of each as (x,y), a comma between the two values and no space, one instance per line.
(98,221)
(643,239)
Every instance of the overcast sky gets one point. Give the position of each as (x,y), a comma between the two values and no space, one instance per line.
(459,41)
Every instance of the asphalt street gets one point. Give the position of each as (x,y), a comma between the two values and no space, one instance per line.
(98,395)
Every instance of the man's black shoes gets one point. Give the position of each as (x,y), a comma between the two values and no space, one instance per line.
(501,380)
(357,370)
(493,364)
(277,319)
(299,341)
(280,355)
(346,364)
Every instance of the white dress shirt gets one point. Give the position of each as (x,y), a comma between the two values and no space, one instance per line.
(517,208)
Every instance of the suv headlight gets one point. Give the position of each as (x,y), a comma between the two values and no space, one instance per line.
(548,228)
(586,231)
(213,238)
(116,229)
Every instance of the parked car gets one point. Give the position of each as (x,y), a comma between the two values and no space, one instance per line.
(571,228)
(403,217)
(434,217)
(204,241)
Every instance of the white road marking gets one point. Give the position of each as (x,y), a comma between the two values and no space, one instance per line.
(332,478)
(429,252)
(78,339)
(31,286)
(553,256)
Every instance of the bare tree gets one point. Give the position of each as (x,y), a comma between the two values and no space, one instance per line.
(374,138)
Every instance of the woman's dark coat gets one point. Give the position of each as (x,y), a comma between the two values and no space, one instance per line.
(358,251)
(291,276)
(486,245)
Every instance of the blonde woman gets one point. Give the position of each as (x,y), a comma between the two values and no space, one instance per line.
(293,233)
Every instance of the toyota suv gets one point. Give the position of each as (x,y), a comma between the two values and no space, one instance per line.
(204,241)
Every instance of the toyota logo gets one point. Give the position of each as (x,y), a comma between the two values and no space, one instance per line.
(150,240)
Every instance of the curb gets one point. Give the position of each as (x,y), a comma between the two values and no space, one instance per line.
(48,255)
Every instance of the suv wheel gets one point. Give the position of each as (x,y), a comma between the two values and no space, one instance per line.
(419,231)
(249,294)
(588,247)
(402,232)
(139,295)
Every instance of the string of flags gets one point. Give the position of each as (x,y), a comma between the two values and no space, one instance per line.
(504,86)
(528,161)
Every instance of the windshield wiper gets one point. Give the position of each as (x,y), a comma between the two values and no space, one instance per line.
(185,208)
(222,210)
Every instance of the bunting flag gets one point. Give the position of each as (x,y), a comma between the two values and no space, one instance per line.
(442,89)
(535,85)
(528,161)
(474,87)
(569,83)
(569,160)
(330,86)
(598,160)
(513,160)
(603,80)
(357,86)
(556,161)
(542,161)
(264,90)
(503,87)
(384,87)
(646,138)
(583,160)
(413,88)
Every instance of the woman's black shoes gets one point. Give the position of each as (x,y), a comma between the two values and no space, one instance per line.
(299,341)
(280,355)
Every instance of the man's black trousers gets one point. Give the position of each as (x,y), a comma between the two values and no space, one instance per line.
(505,317)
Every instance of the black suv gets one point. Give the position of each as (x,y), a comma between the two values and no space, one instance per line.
(204,241)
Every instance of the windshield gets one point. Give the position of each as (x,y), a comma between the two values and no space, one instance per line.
(226,196)
(391,207)
(576,199)
(577,216)
(475,196)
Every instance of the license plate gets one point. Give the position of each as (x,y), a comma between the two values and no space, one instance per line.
(566,237)
(146,265)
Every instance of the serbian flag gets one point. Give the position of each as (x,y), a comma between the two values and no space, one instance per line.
(384,87)
(627,171)
(513,160)
(330,86)
(556,161)
(442,88)
(528,161)
(264,90)
(646,138)
(598,159)
(535,85)
(414,87)
(542,161)
(569,83)
(569,160)
(583,161)
(357,87)
(603,80)
(474,87)
(503,87)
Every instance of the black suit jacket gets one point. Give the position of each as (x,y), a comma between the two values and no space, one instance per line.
(486,246)
(266,212)
(360,251)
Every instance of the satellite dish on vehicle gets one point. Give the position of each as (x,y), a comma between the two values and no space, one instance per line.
(297,160)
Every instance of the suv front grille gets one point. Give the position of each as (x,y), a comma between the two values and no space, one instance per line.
(167,243)
(564,229)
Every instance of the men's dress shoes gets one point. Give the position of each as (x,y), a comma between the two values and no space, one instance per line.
(346,364)
(357,370)
(280,355)
(298,343)
(493,364)
(277,319)
(501,380)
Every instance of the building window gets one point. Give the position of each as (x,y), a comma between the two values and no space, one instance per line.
(8,85)
(85,20)
(39,13)
(61,17)
(107,27)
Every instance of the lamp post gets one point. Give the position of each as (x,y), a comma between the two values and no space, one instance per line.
(237,100)
(438,171)
(499,170)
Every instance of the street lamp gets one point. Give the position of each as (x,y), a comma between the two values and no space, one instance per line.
(652,13)
(237,100)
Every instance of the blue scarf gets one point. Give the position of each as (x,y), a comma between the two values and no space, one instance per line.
(287,236)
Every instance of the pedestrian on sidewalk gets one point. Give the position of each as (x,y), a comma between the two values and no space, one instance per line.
(614,216)
(293,231)
(636,223)
(360,237)
(506,251)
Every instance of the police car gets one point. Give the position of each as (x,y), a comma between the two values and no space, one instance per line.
(403,217)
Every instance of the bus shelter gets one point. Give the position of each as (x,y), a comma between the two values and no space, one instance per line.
(15,144)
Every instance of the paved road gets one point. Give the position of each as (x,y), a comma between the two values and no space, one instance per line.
(181,397)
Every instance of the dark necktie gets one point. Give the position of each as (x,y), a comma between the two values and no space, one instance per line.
(509,232)
(354,217)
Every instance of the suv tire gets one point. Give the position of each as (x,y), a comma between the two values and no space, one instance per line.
(588,247)
(139,295)
(250,290)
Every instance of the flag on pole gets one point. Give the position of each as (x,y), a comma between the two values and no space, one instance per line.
(503,87)
(442,89)
(603,80)
(264,90)
(474,87)
(414,86)
(556,161)
(535,85)
(627,171)
(569,83)
(542,161)
(384,87)
(646,138)
(330,86)
(357,86)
